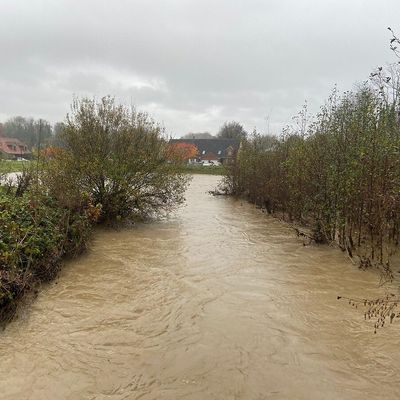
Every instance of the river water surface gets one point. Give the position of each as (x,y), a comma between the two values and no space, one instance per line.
(217,302)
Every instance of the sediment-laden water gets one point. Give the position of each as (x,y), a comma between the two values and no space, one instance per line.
(217,302)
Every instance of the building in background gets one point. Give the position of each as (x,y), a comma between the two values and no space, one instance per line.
(211,151)
(13,149)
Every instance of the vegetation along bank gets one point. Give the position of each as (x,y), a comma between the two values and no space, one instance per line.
(337,173)
(112,164)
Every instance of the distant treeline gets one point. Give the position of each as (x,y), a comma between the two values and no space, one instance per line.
(338,173)
(229,130)
(31,131)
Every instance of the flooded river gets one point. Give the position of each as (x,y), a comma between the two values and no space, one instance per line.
(217,302)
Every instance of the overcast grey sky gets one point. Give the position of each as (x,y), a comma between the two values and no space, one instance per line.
(192,64)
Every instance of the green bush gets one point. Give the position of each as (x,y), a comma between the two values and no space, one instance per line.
(118,158)
(35,234)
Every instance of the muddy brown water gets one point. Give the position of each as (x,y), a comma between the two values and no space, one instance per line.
(219,301)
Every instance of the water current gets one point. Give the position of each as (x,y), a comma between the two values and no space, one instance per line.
(218,301)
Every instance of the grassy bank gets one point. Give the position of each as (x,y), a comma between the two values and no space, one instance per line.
(13,166)
(208,170)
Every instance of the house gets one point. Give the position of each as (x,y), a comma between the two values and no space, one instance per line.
(212,151)
(13,149)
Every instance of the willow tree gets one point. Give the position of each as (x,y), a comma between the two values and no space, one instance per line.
(117,158)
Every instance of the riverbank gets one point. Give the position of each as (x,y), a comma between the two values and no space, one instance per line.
(159,311)
(337,175)
(7,167)
(47,213)
(36,234)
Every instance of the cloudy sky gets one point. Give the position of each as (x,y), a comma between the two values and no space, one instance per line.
(192,64)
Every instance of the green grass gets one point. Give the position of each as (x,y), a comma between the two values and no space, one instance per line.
(209,170)
(13,166)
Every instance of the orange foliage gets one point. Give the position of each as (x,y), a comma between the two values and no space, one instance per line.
(182,151)
(51,152)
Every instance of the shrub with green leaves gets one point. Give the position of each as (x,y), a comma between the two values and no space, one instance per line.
(118,158)
(35,234)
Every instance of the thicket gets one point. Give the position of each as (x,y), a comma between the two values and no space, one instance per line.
(35,234)
(337,173)
(112,166)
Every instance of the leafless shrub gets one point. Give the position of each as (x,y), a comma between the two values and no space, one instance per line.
(381,310)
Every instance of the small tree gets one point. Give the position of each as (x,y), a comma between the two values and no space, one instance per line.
(117,158)
(232,130)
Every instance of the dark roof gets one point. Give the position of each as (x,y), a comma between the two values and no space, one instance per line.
(211,145)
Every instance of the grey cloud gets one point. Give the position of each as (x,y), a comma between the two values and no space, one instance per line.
(192,63)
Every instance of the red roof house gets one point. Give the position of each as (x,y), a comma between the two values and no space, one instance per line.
(11,148)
